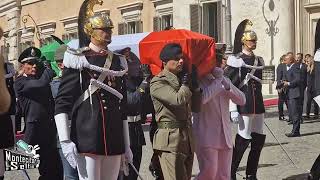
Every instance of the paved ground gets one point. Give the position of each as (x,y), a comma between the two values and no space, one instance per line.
(274,165)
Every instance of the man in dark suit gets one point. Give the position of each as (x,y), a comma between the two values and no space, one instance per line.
(294,94)
(303,76)
(33,91)
(282,92)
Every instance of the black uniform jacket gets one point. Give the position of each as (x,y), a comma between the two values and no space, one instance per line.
(135,102)
(252,90)
(294,77)
(96,128)
(37,105)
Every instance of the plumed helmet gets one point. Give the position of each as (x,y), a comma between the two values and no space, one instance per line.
(243,33)
(88,21)
(98,21)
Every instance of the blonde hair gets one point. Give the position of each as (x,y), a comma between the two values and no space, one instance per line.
(310,65)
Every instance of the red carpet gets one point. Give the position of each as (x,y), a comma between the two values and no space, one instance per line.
(270,102)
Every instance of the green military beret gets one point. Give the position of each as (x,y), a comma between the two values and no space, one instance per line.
(59,54)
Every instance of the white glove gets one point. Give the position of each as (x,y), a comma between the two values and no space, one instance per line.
(217,72)
(225,83)
(70,152)
(124,166)
(235,117)
(128,156)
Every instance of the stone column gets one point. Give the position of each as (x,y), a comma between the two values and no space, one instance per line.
(228,30)
(13,39)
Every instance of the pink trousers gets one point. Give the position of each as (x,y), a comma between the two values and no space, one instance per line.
(214,164)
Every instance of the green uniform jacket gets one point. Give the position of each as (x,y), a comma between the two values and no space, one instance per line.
(171,103)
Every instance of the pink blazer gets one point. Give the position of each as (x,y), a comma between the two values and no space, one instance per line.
(212,126)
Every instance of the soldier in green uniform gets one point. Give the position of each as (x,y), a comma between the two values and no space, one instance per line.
(171,98)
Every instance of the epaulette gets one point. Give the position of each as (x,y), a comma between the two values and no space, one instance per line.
(79,51)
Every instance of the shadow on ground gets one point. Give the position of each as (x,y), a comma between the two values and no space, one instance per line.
(309,134)
(297,177)
(268,144)
(308,121)
(243,168)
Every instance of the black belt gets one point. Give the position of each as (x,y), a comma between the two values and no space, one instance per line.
(173,124)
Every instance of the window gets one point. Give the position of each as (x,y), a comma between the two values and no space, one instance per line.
(47,29)
(131,15)
(70,36)
(166,21)
(211,22)
(164,14)
(132,28)
(70,25)
(206,19)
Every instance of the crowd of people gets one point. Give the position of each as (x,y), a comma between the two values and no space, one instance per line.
(88,119)
(296,89)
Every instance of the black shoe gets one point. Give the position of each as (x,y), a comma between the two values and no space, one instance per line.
(282,118)
(292,135)
(251,177)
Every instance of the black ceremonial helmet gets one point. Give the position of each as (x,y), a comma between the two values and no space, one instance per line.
(243,33)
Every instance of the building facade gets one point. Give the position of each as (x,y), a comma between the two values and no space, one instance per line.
(281,26)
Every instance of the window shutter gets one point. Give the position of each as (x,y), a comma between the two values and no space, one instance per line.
(122,28)
(195,18)
(139,26)
(156,23)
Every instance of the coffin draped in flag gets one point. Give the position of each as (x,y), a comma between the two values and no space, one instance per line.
(317,64)
(198,49)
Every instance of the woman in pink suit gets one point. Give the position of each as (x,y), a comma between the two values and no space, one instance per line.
(212,126)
